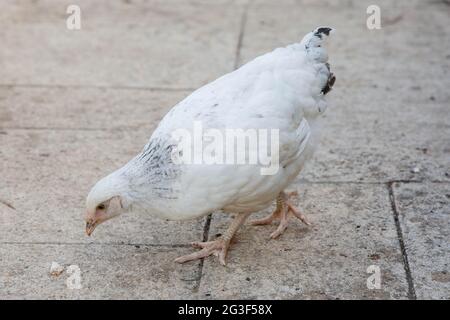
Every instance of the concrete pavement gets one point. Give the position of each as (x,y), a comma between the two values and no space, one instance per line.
(74,105)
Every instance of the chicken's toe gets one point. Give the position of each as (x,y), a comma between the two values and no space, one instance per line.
(207,248)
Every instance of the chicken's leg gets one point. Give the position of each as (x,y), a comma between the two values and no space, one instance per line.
(218,247)
(283,211)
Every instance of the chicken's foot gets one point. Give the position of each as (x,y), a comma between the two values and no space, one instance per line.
(218,247)
(283,211)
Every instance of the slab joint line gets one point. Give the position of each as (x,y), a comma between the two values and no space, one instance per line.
(409,278)
(241,37)
(205,237)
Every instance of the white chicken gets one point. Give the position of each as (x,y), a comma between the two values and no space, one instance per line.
(283,90)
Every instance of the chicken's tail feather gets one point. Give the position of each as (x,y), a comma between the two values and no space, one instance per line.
(315,38)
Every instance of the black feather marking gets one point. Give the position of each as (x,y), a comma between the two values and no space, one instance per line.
(330,83)
(324,30)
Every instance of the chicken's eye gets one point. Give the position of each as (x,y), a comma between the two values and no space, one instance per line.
(101,206)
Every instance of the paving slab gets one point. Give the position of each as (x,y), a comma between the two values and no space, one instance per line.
(363,137)
(106,272)
(368,141)
(424,210)
(393,60)
(353,229)
(121,43)
(358,55)
(387,117)
(46,176)
(84,108)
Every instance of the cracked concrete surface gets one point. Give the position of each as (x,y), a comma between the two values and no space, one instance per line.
(75,105)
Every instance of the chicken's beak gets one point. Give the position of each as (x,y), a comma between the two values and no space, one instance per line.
(90,226)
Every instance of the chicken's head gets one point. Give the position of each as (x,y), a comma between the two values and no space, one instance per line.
(103,211)
(105,201)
